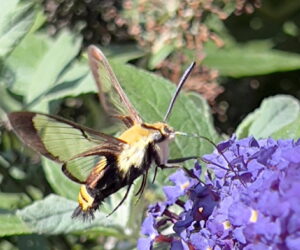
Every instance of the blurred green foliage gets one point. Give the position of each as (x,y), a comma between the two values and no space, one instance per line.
(50,74)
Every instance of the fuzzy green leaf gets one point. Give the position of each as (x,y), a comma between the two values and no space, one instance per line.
(41,61)
(274,116)
(15,20)
(290,131)
(52,216)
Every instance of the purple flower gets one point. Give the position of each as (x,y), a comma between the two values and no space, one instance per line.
(182,183)
(148,229)
(253,201)
(157,209)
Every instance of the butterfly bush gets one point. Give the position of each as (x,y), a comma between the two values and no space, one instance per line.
(250,199)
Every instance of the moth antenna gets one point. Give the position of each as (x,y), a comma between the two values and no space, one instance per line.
(219,151)
(185,75)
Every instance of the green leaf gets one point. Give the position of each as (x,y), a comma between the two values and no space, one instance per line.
(249,60)
(33,242)
(52,216)
(273,117)
(122,53)
(290,131)
(11,224)
(160,55)
(242,130)
(15,20)
(5,244)
(54,61)
(41,61)
(13,200)
(7,102)
(75,81)
(204,108)
(25,59)
(39,20)
(58,180)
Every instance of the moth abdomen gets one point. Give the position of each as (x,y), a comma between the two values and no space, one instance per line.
(88,203)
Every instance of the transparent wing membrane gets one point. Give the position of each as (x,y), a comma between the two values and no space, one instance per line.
(80,168)
(63,140)
(111,93)
(78,147)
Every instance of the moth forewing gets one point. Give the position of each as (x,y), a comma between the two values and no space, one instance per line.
(108,83)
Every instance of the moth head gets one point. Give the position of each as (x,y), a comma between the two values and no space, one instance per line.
(163,131)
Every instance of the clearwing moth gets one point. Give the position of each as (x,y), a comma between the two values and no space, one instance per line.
(101,163)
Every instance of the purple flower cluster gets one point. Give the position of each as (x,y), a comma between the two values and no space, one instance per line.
(250,199)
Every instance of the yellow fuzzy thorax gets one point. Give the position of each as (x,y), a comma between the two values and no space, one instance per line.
(137,138)
(138,132)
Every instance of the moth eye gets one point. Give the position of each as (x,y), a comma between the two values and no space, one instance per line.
(166,130)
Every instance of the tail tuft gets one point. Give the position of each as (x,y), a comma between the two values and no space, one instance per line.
(84,215)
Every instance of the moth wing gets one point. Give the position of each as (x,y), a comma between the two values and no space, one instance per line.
(61,140)
(79,169)
(110,90)
(90,166)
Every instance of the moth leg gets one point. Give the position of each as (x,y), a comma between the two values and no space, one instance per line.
(173,162)
(155,172)
(142,187)
(168,166)
(121,202)
(158,163)
(143,184)
(183,159)
(188,171)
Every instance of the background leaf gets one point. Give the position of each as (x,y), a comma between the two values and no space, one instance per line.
(158,56)
(11,224)
(33,242)
(52,215)
(37,74)
(13,200)
(249,60)
(122,53)
(290,131)
(274,117)
(58,180)
(15,21)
